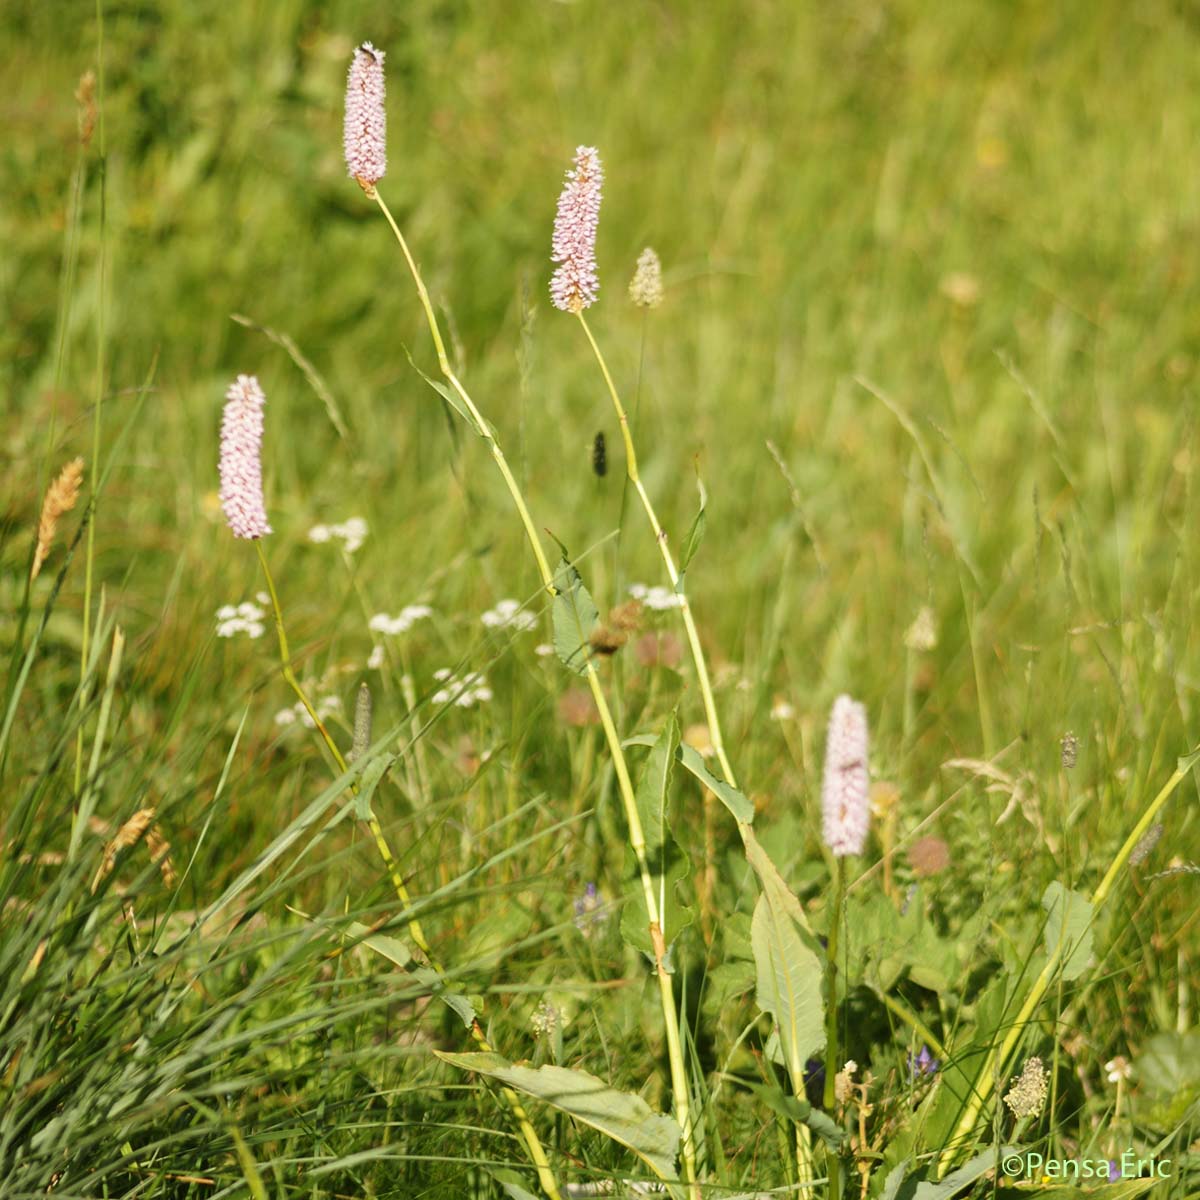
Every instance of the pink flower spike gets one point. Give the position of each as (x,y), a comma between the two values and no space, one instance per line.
(575,284)
(241,462)
(845,807)
(365,130)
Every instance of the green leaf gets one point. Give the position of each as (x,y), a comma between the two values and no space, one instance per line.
(1123,1189)
(654,786)
(512,1183)
(575,617)
(1068,928)
(397,952)
(695,535)
(980,1165)
(1168,1070)
(448,395)
(372,776)
(896,1176)
(624,1117)
(669,864)
(801,1112)
(693,761)
(788,984)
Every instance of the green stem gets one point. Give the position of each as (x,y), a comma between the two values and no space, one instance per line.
(481,426)
(679,1084)
(831,1012)
(803,1143)
(996,1065)
(536,1153)
(660,538)
(94,476)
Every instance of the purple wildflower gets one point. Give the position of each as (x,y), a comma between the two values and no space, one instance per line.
(844,801)
(365,130)
(590,911)
(575,284)
(922,1064)
(241,464)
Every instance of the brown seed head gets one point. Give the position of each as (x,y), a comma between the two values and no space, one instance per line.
(60,499)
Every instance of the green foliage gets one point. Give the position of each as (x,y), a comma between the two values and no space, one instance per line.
(669,864)
(930,336)
(575,617)
(624,1118)
(1068,929)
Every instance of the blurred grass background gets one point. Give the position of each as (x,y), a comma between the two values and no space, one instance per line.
(943,258)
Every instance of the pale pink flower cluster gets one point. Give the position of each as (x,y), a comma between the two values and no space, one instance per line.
(241,458)
(365,130)
(575,283)
(845,807)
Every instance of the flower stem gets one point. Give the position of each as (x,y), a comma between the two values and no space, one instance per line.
(679,1080)
(536,1153)
(831,1011)
(660,538)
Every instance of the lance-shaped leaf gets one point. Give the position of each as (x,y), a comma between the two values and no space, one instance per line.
(787,966)
(692,760)
(624,1117)
(967,1174)
(695,535)
(575,617)
(668,862)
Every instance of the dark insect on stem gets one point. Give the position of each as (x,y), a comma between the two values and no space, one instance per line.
(600,456)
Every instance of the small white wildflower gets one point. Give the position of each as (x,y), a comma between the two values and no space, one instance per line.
(402,622)
(467,691)
(543,650)
(375,660)
(509,613)
(781,710)
(352,532)
(1118,1069)
(240,618)
(285,716)
(656,597)
(262,598)
(843,1082)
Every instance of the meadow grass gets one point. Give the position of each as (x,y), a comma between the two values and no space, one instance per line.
(928,341)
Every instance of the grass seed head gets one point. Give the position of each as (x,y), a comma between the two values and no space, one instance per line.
(60,499)
(645,288)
